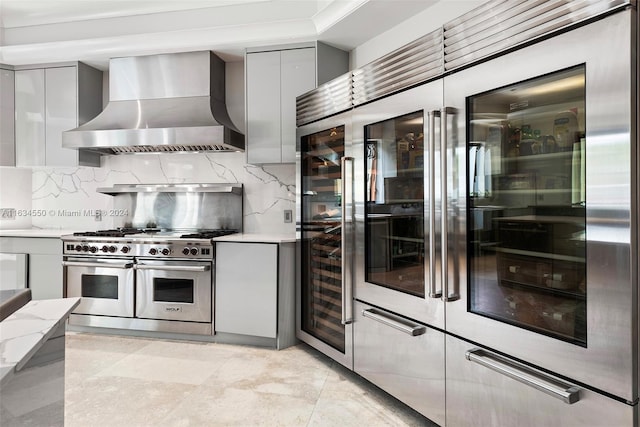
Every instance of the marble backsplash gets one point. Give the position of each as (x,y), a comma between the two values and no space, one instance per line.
(67,197)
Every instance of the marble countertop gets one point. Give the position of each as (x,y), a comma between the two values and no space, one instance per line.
(257,238)
(25,331)
(36,232)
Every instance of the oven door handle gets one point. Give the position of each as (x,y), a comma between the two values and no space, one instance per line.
(196,268)
(123,265)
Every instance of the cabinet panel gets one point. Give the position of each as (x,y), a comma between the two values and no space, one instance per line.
(61,114)
(7,124)
(45,276)
(298,75)
(246,288)
(30,118)
(263,107)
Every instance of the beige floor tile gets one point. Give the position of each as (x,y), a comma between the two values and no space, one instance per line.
(119,401)
(124,381)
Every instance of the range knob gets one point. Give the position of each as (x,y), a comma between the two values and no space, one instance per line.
(105,248)
(153,251)
(166,251)
(112,249)
(85,248)
(194,251)
(93,249)
(78,248)
(125,249)
(185,251)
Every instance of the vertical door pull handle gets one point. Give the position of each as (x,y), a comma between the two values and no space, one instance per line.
(434,290)
(346,242)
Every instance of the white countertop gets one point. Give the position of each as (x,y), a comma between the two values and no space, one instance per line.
(25,331)
(257,238)
(36,232)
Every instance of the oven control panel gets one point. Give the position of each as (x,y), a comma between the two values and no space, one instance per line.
(162,249)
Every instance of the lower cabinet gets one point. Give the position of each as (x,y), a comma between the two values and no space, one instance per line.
(402,357)
(485,389)
(44,270)
(254,290)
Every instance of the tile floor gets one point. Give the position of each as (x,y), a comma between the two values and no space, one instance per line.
(125,381)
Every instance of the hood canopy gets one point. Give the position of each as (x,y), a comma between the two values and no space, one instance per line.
(161,103)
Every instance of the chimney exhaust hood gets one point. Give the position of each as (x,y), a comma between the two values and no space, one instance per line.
(161,103)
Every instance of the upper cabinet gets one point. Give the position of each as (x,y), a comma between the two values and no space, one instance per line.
(7,150)
(274,78)
(49,101)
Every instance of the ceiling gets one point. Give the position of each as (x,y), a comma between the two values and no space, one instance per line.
(45,31)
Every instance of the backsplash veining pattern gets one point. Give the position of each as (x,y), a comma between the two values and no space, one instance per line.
(67,197)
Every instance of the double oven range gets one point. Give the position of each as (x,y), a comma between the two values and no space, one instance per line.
(154,270)
(144,279)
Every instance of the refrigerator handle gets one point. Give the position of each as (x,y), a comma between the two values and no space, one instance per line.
(566,392)
(447,295)
(434,291)
(346,243)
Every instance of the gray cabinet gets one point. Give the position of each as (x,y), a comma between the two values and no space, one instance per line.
(274,78)
(44,270)
(254,294)
(7,105)
(49,101)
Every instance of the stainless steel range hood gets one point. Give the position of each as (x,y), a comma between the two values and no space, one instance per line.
(161,103)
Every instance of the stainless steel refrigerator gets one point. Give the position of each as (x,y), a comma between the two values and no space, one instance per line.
(493,230)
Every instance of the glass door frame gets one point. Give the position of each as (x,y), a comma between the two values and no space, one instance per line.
(346,358)
(609,362)
(430,308)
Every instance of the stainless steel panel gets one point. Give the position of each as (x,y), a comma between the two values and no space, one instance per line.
(480,396)
(178,208)
(331,98)
(499,25)
(609,362)
(409,65)
(174,75)
(425,98)
(409,367)
(122,305)
(151,325)
(343,357)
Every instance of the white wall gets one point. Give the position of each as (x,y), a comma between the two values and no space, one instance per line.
(411,29)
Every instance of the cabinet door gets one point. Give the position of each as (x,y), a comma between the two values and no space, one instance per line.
(61,114)
(298,75)
(30,118)
(7,143)
(246,289)
(263,107)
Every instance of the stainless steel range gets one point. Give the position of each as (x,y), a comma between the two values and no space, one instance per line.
(151,279)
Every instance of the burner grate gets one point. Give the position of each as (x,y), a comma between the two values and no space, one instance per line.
(208,234)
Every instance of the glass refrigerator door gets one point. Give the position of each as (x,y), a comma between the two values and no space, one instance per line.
(526,205)
(394,210)
(322,235)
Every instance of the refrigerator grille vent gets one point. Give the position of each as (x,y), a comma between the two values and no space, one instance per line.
(499,25)
(330,98)
(407,66)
